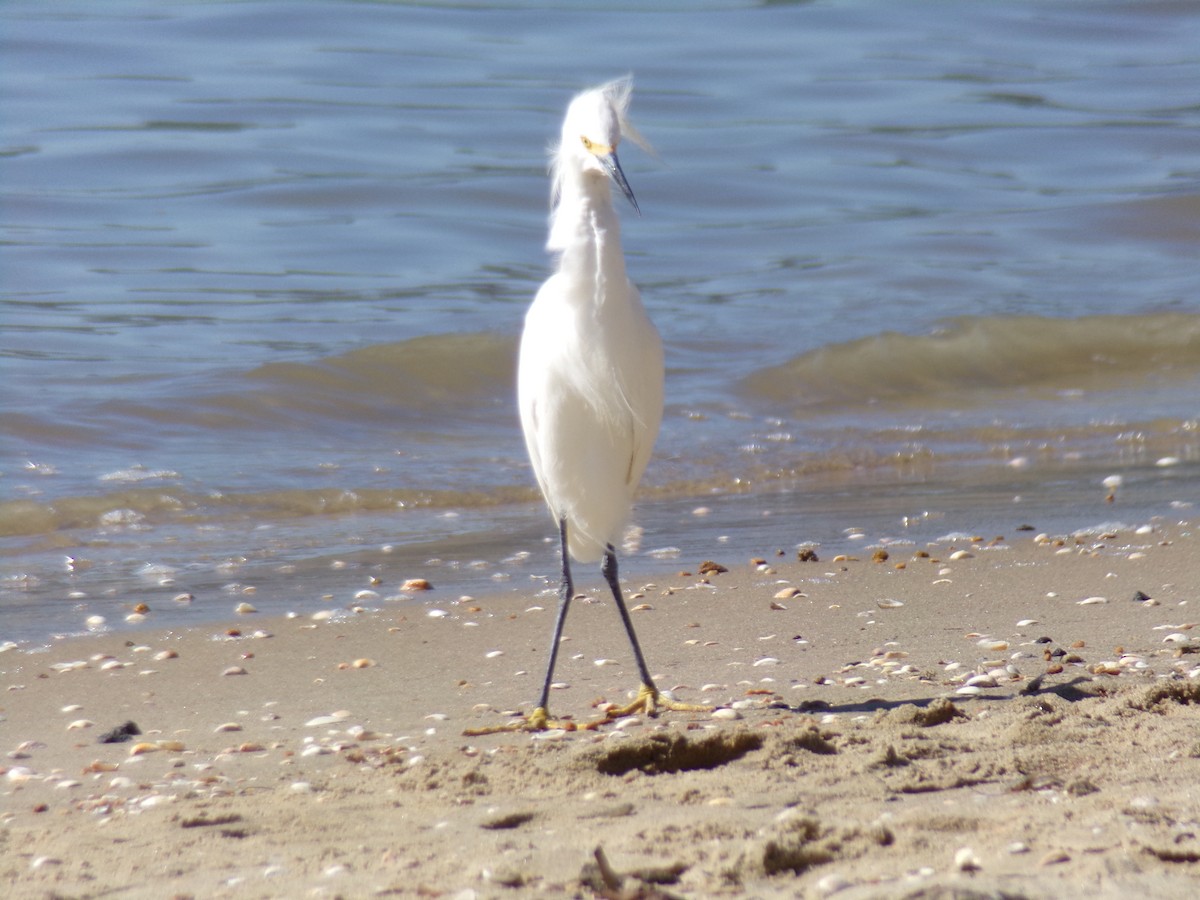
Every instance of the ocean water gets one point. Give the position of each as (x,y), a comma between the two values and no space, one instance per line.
(918,266)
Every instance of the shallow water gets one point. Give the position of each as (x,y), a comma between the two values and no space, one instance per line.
(264,267)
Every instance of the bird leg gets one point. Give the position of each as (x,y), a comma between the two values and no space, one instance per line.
(649,699)
(539,719)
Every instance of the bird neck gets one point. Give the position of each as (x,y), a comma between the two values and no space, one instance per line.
(585,230)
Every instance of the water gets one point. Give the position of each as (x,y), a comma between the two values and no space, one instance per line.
(264,267)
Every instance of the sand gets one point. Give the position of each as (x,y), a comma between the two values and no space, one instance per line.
(1000,718)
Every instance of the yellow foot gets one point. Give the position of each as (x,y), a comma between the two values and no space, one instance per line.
(649,701)
(538,720)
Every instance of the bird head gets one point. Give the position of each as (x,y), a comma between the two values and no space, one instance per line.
(595,122)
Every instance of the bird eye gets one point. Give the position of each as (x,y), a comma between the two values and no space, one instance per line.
(587,144)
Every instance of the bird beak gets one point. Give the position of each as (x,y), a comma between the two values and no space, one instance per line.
(612,165)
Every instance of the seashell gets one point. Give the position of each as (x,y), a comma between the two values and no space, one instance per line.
(416,584)
(965,860)
(642,607)
(100,765)
(961,554)
(1025,623)
(889,603)
(493,654)
(726,714)
(243,609)
(235,670)
(166,654)
(333,719)
(833,883)
(227,726)
(969,690)
(363,663)
(767,661)
(80,724)
(250,748)
(787,593)
(1091,601)
(143,748)
(989,644)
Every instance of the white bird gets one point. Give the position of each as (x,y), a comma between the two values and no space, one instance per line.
(590,377)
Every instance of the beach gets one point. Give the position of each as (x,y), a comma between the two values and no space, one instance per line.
(987,715)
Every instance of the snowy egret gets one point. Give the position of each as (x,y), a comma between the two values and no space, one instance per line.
(590,377)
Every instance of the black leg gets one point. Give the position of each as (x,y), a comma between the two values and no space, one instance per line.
(565,592)
(609,569)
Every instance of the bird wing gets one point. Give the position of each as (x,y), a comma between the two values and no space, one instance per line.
(642,388)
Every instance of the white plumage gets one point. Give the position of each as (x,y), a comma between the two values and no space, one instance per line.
(590,380)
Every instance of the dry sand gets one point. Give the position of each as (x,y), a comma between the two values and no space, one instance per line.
(866,758)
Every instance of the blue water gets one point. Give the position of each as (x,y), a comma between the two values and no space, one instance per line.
(263,266)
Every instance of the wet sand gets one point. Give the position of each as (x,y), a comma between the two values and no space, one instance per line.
(999,716)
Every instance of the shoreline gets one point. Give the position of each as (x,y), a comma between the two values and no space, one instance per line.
(896,727)
(143,578)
